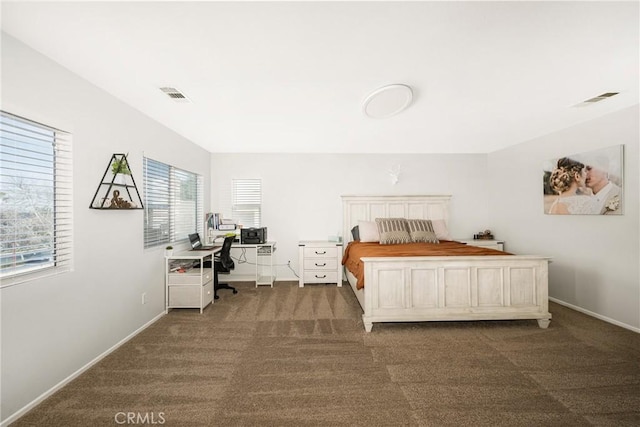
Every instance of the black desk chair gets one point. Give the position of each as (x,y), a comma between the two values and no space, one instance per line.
(223,264)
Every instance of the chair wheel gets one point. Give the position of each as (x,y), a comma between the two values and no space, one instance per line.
(216,297)
(235,292)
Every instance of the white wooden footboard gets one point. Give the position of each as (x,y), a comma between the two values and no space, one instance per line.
(408,289)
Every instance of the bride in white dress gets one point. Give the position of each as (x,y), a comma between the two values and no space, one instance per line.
(568,181)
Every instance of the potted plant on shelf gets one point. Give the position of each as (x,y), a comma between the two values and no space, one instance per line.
(168,251)
(119,167)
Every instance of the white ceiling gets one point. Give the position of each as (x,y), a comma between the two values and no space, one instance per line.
(291,76)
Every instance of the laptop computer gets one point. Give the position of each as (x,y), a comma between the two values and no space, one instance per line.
(196,243)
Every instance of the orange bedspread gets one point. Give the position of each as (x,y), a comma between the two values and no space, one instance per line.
(356,250)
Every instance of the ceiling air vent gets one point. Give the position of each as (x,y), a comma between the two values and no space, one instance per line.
(175,94)
(595,99)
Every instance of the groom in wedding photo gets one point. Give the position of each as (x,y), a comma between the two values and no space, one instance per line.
(607,195)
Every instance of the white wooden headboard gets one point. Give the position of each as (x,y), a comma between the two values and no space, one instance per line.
(368,208)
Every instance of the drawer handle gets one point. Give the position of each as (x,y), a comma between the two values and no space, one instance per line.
(320,265)
(321,277)
(321,253)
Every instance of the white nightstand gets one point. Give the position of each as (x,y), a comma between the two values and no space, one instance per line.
(320,262)
(493,244)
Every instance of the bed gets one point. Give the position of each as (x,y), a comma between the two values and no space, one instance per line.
(479,286)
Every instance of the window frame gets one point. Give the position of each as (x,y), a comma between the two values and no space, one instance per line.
(24,142)
(165,197)
(249,191)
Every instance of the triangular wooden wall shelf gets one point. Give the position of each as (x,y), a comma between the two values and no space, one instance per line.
(117,189)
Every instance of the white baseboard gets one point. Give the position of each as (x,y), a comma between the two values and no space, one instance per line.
(13,417)
(596,315)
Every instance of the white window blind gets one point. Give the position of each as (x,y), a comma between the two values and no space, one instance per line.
(36,200)
(246,205)
(173,201)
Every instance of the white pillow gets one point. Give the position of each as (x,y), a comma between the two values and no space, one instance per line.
(368,231)
(440,227)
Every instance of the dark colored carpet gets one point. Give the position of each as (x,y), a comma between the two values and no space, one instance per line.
(292,356)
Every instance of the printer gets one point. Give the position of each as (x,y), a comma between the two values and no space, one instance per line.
(253,235)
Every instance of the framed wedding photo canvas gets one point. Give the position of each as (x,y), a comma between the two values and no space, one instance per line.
(589,183)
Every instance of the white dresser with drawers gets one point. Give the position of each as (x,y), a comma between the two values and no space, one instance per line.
(320,262)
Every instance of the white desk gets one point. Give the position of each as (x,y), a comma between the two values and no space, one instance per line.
(263,273)
(191,287)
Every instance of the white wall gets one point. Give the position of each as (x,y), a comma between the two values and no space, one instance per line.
(53,327)
(595,258)
(301,192)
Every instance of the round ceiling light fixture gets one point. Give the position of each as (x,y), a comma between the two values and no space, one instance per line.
(387,101)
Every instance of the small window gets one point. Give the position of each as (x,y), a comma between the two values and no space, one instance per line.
(35,199)
(173,201)
(246,205)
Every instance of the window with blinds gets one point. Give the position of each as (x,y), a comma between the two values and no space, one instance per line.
(246,202)
(173,200)
(36,200)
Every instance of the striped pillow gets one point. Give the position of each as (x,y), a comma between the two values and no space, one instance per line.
(421,230)
(393,231)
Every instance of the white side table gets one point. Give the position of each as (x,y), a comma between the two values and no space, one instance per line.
(484,243)
(320,262)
